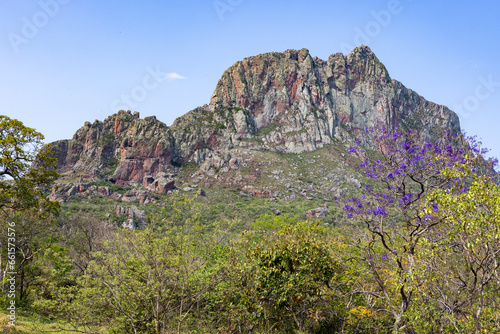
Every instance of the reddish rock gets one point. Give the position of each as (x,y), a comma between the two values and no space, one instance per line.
(322,211)
(163,188)
(82,187)
(105,191)
(306,102)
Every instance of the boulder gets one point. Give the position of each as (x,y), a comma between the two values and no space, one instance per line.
(322,211)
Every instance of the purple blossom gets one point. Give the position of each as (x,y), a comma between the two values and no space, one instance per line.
(449,149)
(380,211)
(406,199)
(404,157)
(384,198)
(425,147)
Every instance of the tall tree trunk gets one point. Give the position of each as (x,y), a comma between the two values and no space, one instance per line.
(477,322)
(395,327)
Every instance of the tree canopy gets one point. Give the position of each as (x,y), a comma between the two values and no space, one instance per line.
(26,167)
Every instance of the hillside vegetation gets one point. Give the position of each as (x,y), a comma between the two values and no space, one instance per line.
(413,248)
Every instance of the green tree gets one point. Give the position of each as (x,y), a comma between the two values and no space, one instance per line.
(26,171)
(465,250)
(284,278)
(148,281)
(26,167)
(34,233)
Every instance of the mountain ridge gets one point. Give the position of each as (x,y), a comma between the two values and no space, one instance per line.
(287,102)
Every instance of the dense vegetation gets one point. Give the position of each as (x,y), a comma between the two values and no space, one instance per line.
(420,254)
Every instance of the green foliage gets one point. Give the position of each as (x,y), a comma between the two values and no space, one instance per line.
(463,252)
(220,126)
(285,276)
(32,232)
(111,163)
(278,55)
(220,112)
(252,140)
(145,281)
(106,139)
(29,166)
(190,270)
(178,210)
(272,222)
(266,130)
(112,187)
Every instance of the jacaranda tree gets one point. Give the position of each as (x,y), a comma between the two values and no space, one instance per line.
(403,169)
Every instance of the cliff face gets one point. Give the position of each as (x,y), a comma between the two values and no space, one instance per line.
(132,148)
(288,102)
(309,101)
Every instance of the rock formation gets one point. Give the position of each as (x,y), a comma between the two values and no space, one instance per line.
(287,102)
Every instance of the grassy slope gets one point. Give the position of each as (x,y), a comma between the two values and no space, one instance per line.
(33,324)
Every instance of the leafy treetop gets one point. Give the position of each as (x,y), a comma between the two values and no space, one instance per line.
(26,167)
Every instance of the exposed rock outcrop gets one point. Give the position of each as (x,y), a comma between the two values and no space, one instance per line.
(135,218)
(288,102)
(322,211)
(299,103)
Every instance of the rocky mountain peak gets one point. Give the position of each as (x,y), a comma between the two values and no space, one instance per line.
(288,102)
(362,51)
(271,83)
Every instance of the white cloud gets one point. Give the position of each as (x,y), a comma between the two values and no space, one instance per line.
(174,76)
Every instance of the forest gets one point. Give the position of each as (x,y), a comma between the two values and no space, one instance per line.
(417,251)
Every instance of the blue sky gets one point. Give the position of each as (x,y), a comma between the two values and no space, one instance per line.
(64,62)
